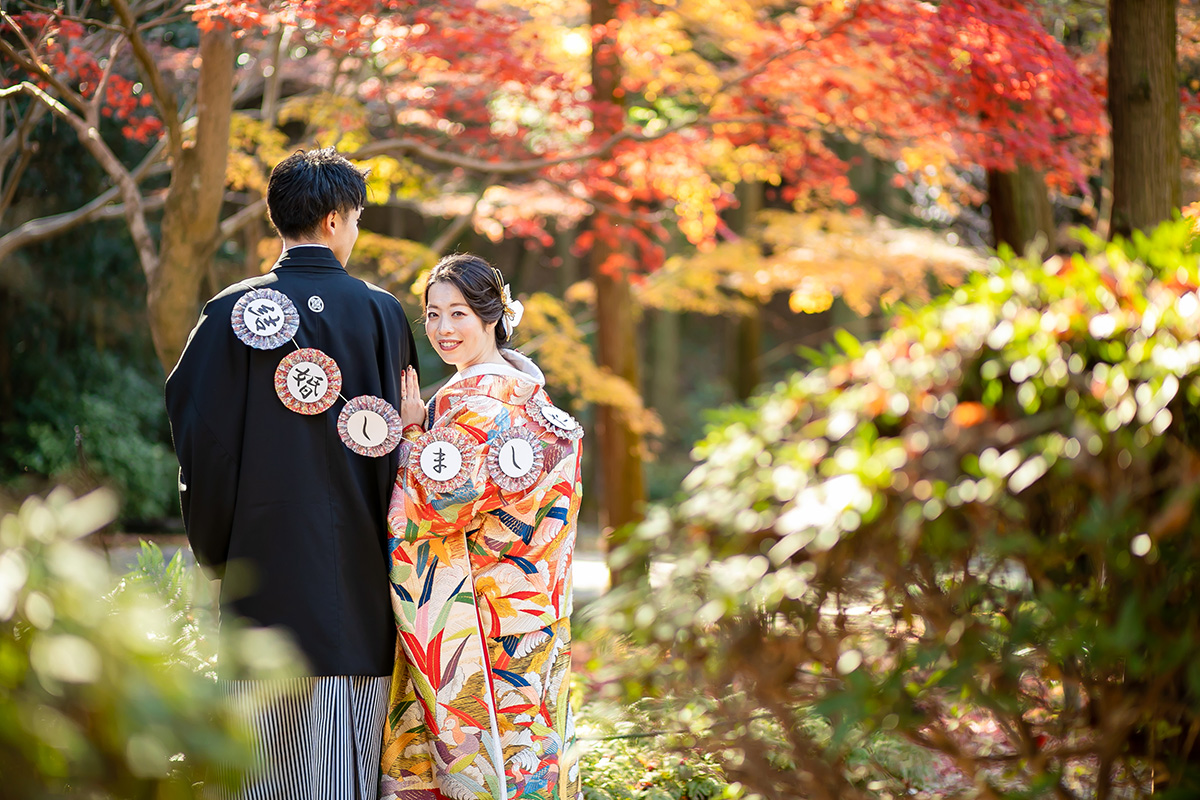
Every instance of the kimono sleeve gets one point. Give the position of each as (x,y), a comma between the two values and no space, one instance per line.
(208,478)
(205,397)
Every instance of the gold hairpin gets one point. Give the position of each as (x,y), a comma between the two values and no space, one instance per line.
(500,286)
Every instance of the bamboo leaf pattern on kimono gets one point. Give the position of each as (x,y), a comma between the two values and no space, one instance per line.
(452,664)
(440,624)
(427,592)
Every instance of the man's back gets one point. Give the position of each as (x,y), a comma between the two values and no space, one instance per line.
(275,494)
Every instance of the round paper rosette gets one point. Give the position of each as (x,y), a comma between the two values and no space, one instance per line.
(553,419)
(439,459)
(515,459)
(308,381)
(264,319)
(370,426)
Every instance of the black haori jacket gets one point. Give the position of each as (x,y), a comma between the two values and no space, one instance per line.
(273,501)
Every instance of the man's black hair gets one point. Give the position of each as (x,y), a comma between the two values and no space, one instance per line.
(308,185)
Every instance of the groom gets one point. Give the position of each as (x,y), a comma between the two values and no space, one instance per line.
(285,493)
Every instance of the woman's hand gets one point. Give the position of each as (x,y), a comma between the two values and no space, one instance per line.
(412,410)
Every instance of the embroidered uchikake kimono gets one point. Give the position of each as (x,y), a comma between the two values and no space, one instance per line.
(482,525)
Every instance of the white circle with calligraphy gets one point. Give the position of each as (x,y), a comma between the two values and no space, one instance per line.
(442,459)
(553,419)
(367,428)
(264,319)
(315,303)
(370,426)
(515,459)
(556,416)
(308,381)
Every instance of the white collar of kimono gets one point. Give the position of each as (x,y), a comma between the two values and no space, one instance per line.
(518,366)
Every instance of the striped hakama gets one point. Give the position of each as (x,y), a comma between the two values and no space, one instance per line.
(313,738)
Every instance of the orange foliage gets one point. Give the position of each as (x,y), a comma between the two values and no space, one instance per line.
(815,258)
(715,93)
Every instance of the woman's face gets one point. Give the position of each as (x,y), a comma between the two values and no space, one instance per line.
(456,332)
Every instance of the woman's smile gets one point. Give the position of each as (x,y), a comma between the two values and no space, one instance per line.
(456,332)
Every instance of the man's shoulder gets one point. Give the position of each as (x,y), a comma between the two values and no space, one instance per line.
(345,287)
(230,294)
(380,297)
(377,292)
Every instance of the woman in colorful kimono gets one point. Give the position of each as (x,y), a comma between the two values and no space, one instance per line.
(482,525)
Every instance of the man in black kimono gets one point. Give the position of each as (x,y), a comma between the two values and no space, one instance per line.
(275,501)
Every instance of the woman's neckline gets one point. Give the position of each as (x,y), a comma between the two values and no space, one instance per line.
(515,365)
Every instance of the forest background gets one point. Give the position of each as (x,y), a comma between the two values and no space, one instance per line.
(692,198)
(739,180)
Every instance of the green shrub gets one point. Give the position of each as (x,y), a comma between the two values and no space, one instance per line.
(976,536)
(106,688)
(99,422)
(626,758)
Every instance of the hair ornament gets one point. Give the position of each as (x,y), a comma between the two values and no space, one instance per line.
(513,310)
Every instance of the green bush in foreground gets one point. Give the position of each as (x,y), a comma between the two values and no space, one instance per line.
(106,688)
(975,537)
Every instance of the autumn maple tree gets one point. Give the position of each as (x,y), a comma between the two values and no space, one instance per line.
(648,114)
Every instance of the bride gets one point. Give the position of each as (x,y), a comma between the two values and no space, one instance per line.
(482,528)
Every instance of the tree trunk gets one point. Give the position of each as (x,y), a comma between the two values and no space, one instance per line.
(7,308)
(192,216)
(664,377)
(1020,204)
(620,460)
(747,345)
(619,446)
(1143,104)
(744,372)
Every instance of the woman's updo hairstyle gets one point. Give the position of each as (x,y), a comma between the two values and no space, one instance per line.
(481,285)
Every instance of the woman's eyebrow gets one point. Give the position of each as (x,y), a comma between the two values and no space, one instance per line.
(452,305)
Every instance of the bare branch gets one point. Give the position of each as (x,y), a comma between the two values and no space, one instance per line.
(158,22)
(273,82)
(407,146)
(42,228)
(154,202)
(14,178)
(34,66)
(235,222)
(89,137)
(18,138)
(98,97)
(460,223)
(90,22)
(164,100)
(626,214)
